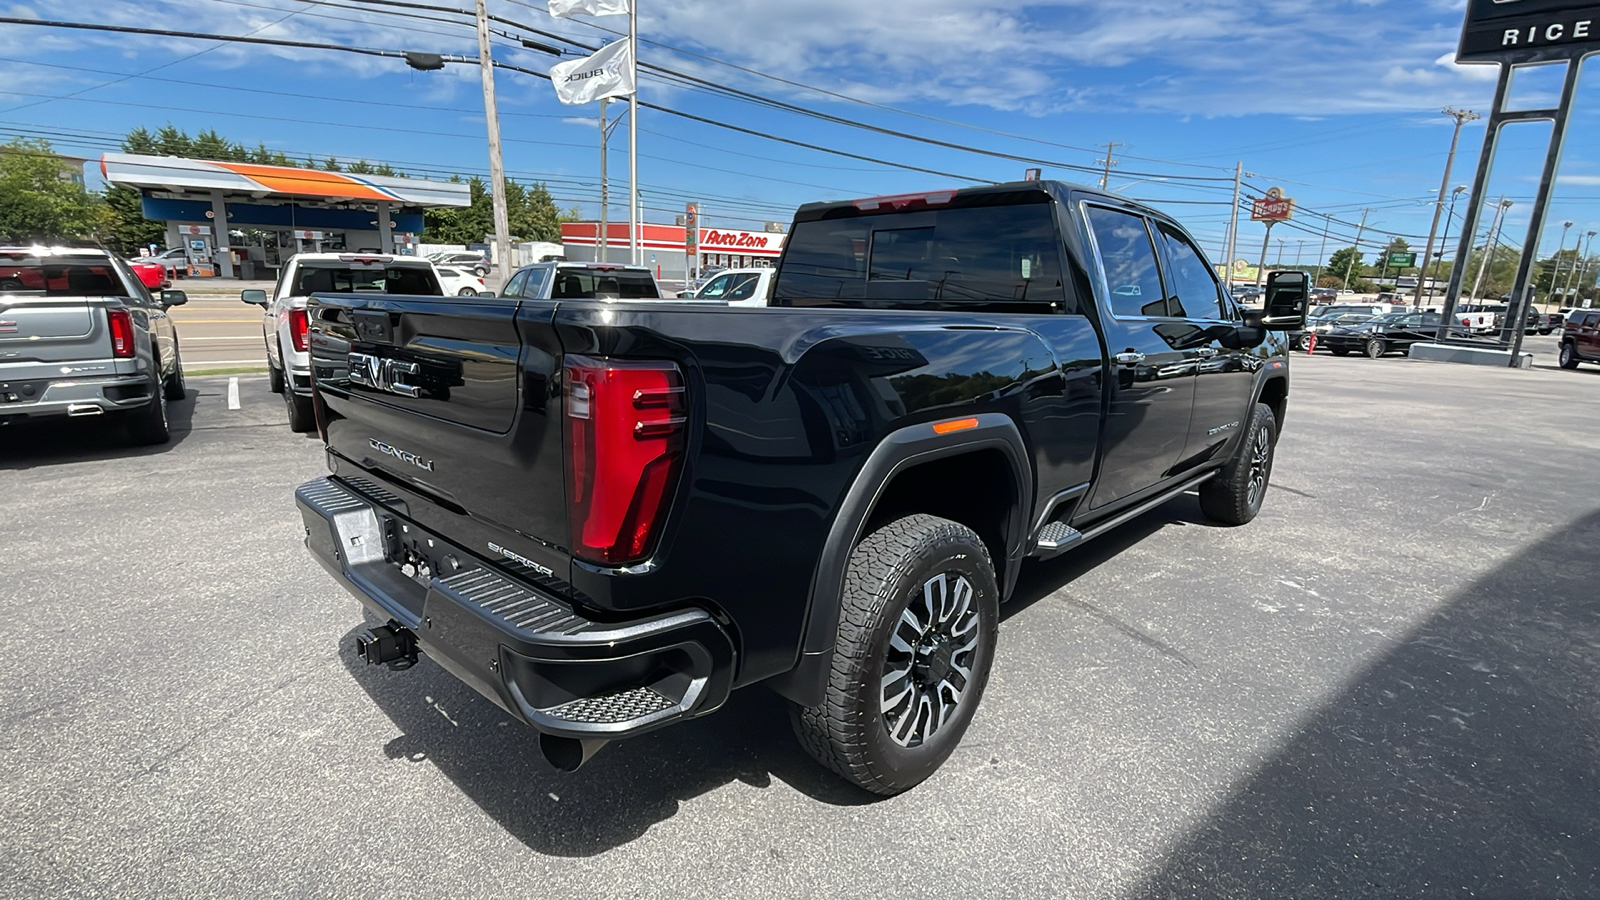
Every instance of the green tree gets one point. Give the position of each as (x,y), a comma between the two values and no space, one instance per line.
(37,199)
(331,165)
(361,167)
(531,212)
(1345,263)
(126,228)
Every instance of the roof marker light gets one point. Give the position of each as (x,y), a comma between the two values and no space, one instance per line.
(901,201)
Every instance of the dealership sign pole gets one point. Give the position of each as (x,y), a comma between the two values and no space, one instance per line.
(1516,34)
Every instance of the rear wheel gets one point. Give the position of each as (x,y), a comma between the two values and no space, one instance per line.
(1376,348)
(1235,494)
(1569,355)
(148,424)
(301,417)
(466,292)
(176,388)
(918,620)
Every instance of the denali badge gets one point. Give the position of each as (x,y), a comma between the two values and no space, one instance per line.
(384,374)
(402,455)
(1221,428)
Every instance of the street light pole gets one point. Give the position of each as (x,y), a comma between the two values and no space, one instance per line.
(1572,267)
(1462,117)
(1233,225)
(497,169)
(1587,249)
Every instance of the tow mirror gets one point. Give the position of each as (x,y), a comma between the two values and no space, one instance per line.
(1288,297)
(254,297)
(174,298)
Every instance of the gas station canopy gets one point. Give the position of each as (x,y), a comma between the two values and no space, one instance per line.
(272,212)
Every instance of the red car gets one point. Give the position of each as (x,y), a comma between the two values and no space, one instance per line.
(154,275)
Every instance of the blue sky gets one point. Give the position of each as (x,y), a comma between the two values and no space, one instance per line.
(1335,101)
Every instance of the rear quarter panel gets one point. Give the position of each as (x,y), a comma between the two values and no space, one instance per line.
(786,406)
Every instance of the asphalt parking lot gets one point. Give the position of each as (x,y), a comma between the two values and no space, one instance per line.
(1388,685)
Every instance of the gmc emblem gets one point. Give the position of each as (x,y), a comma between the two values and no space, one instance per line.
(387,375)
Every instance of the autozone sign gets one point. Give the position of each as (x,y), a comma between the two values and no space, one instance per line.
(738,239)
(1513,31)
(1274,207)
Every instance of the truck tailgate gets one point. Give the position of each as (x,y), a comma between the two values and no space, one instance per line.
(47,330)
(450,400)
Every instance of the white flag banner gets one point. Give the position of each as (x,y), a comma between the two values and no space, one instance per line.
(567,8)
(608,73)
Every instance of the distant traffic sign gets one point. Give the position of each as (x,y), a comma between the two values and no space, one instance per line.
(1402,260)
(1274,207)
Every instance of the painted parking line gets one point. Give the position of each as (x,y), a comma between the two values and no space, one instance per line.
(233,392)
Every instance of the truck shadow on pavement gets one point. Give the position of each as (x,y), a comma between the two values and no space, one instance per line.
(1465,763)
(618,795)
(30,443)
(632,785)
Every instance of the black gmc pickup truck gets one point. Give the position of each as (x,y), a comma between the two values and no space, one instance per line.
(605,516)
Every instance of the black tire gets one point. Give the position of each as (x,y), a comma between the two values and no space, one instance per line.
(466,292)
(148,425)
(302,419)
(1569,355)
(1375,348)
(894,575)
(1339,351)
(1234,495)
(274,378)
(1546,330)
(176,388)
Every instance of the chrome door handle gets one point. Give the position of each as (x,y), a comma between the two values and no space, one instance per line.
(1129,359)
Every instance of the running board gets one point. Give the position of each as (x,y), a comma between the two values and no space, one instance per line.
(1056,538)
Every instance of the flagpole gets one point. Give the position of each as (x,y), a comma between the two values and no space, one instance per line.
(633,131)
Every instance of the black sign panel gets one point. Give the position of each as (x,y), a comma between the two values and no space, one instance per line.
(1521,31)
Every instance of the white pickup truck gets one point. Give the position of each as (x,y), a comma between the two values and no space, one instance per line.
(739,287)
(284,324)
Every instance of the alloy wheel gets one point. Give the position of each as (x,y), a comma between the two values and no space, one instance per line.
(929,663)
(1260,462)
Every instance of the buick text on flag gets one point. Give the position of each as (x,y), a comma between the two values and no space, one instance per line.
(608,73)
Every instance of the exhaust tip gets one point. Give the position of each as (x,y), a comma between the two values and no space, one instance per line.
(566,754)
(84,409)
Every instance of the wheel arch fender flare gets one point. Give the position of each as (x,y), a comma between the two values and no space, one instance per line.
(898,452)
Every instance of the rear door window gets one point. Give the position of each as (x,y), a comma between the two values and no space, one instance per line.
(1128,259)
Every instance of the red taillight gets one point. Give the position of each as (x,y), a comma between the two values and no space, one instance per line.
(625,423)
(297,329)
(122,346)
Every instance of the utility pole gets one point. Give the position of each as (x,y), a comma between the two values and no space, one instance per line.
(633,131)
(1111,149)
(1359,231)
(1462,117)
(1323,253)
(1584,272)
(1233,226)
(497,169)
(1438,262)
(603,242)
(1299,250)
(1279,263)
(1491,245)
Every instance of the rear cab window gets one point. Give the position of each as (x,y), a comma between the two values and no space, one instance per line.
(314,276)
(54,276)
(1002,258)
(579,283)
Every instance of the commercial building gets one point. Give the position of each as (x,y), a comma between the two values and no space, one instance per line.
(239,219)
(665,247)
